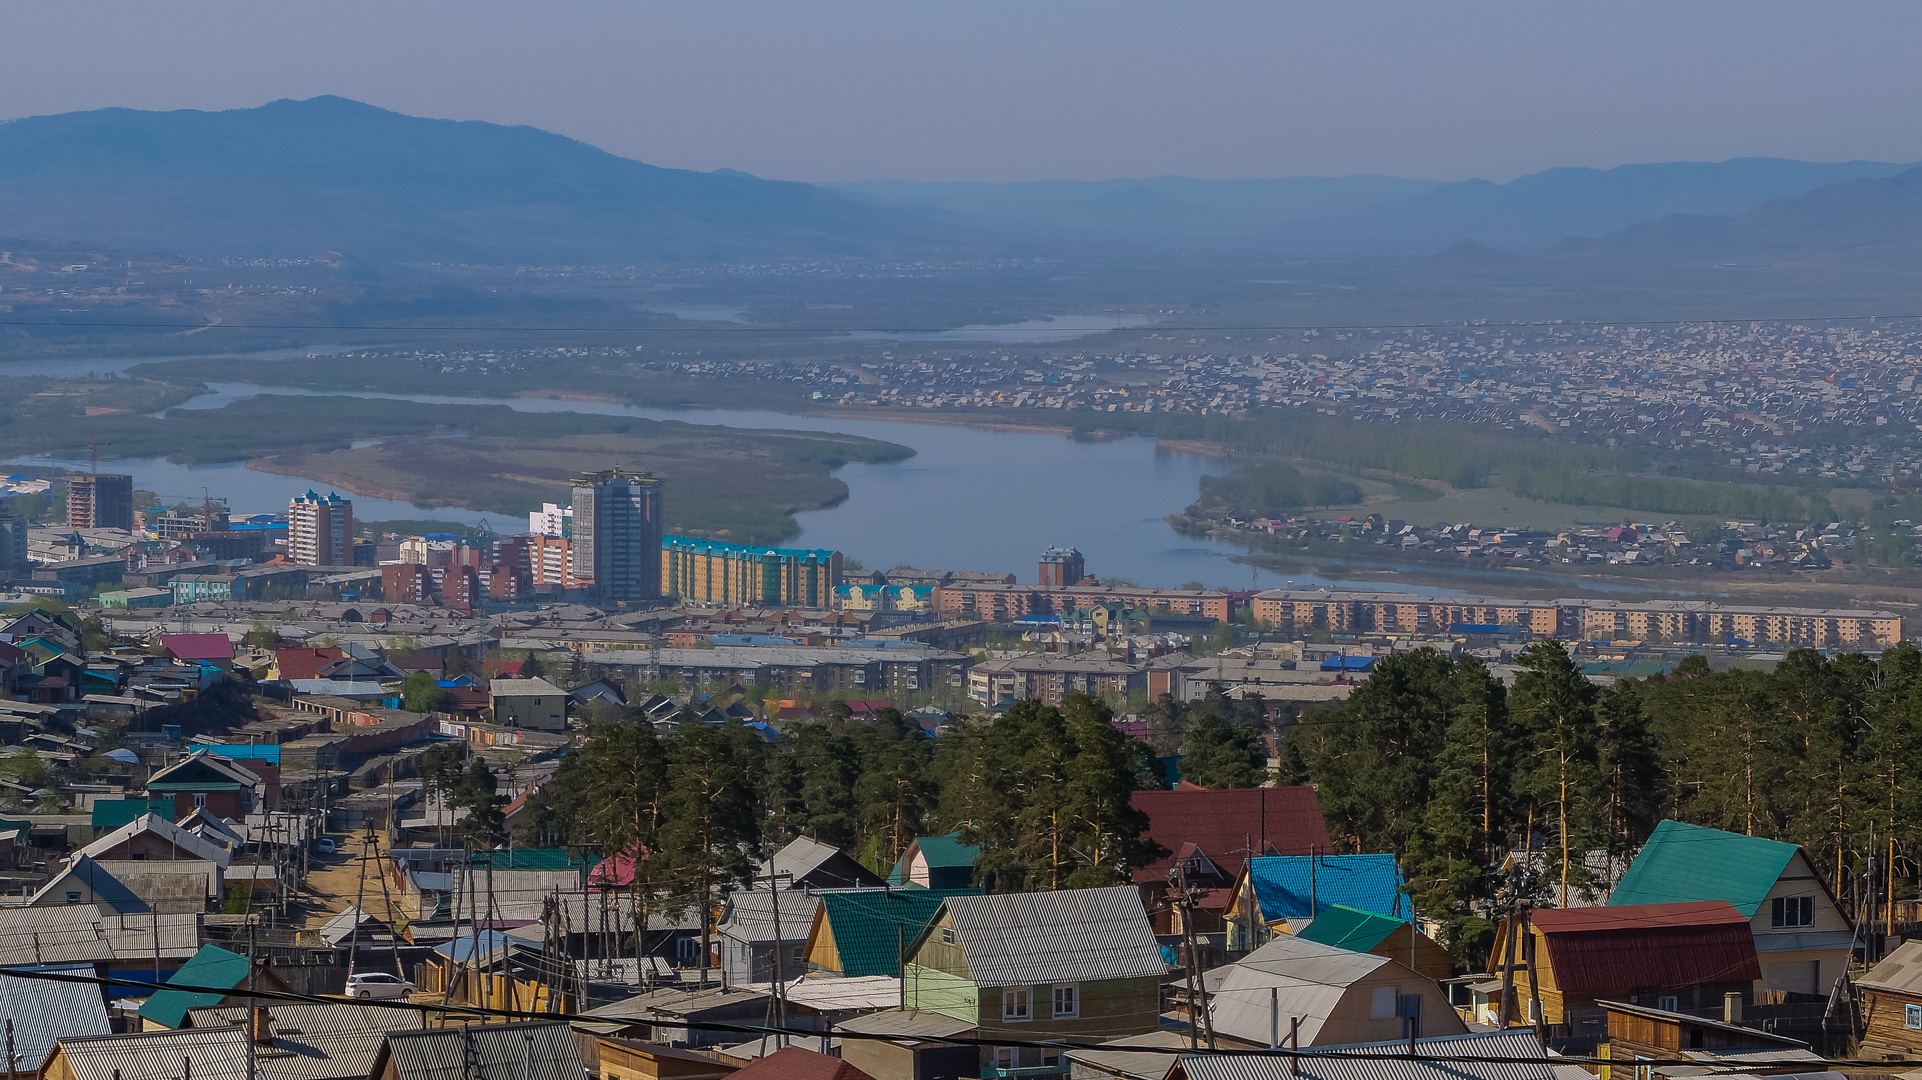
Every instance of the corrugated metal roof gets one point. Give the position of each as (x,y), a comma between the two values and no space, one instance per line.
(749,915)
(1603,950)
(1349,928)
(906,1024)
(522,1051)
(211,966)
(217,1054)
(74,933)
(1072,935)
(316,1042)
(106,888)
(1305,886)
(1224,824)
(1309,980)
(1900,972)
(1515,1043)
(43,1010)
(870,926)
(1134,1064)
(1687,862)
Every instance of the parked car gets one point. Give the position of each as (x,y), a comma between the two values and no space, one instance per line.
(378,984)
(326,846)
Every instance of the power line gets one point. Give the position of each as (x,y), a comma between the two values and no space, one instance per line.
(988,330)
(1337,1054)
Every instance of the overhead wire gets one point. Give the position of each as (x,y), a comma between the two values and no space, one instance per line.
(1350,1053)
(986,331)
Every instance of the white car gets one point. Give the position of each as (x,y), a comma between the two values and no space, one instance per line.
(377,984)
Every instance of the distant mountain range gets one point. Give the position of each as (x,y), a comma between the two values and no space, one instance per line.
(295,179)
(298,179)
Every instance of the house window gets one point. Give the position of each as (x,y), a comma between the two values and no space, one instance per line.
(200,799)
(1792,911)
(74,898)
(1912,1017)
(947,935)
(1668,1002)
(1067,1001)
(687,948)
(1015,1006)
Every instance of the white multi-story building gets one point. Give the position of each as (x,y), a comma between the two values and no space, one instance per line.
(551,520)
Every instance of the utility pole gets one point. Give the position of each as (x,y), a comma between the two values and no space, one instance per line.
(1197,993)
(779,1002)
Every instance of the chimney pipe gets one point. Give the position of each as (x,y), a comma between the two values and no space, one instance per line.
(1732,1007)
(261,1025)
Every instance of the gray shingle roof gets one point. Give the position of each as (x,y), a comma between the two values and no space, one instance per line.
(750,915)
(1073,935)
(80,933)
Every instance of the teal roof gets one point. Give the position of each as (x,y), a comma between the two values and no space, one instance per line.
(110,814)
(939,852)
(211,966)
(1350,928)
(530,859)
(1681,863)
(870,926)
(698,545)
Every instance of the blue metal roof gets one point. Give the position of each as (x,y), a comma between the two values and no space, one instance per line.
(1285,885)
(1348,663)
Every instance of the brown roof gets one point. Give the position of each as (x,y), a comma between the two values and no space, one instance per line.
(1600,950)
(304,663)
(1222,824)
(797,1063)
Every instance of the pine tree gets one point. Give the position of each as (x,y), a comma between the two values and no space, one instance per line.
(710,819)
(892,795)
(1554,708)
(1632,791)
(1102,775)
(1451,855)
(1215,755)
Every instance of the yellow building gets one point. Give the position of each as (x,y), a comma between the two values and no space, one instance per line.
(716,572)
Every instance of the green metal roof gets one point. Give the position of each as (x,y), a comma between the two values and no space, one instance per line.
(939,852)
(869,927)
(530,859)
(110,814)
(211,966)
(1349,928)
(1681,863)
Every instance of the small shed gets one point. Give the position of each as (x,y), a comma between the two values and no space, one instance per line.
(1892,1004)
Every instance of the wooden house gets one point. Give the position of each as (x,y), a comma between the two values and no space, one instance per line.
(1801,936)
(1337,996)
(809,864)
(863,932)
(633,1059)
(519,1051)
(912,1044)
(1638,1031)
(1892,1005)
(1677,957)
(223,977)
(1365,931)
(936,862)
(1071,964)
(1212,834)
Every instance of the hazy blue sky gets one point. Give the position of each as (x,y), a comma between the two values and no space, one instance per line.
(1032,89)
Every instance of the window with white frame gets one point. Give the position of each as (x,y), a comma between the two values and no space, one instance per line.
(1912,1017)
(1067,1001)
(1792,911)
(1016,1006)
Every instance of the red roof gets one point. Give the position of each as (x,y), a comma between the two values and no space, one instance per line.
(1222,823)
(1602,950)
(198,646)
(797,1063)
(304,663)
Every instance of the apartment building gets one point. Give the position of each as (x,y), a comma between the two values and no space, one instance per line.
(320,530)
(1002,601)
(716,572)
(99,501)
(617,534)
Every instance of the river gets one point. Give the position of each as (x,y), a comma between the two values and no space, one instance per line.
(970,498)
